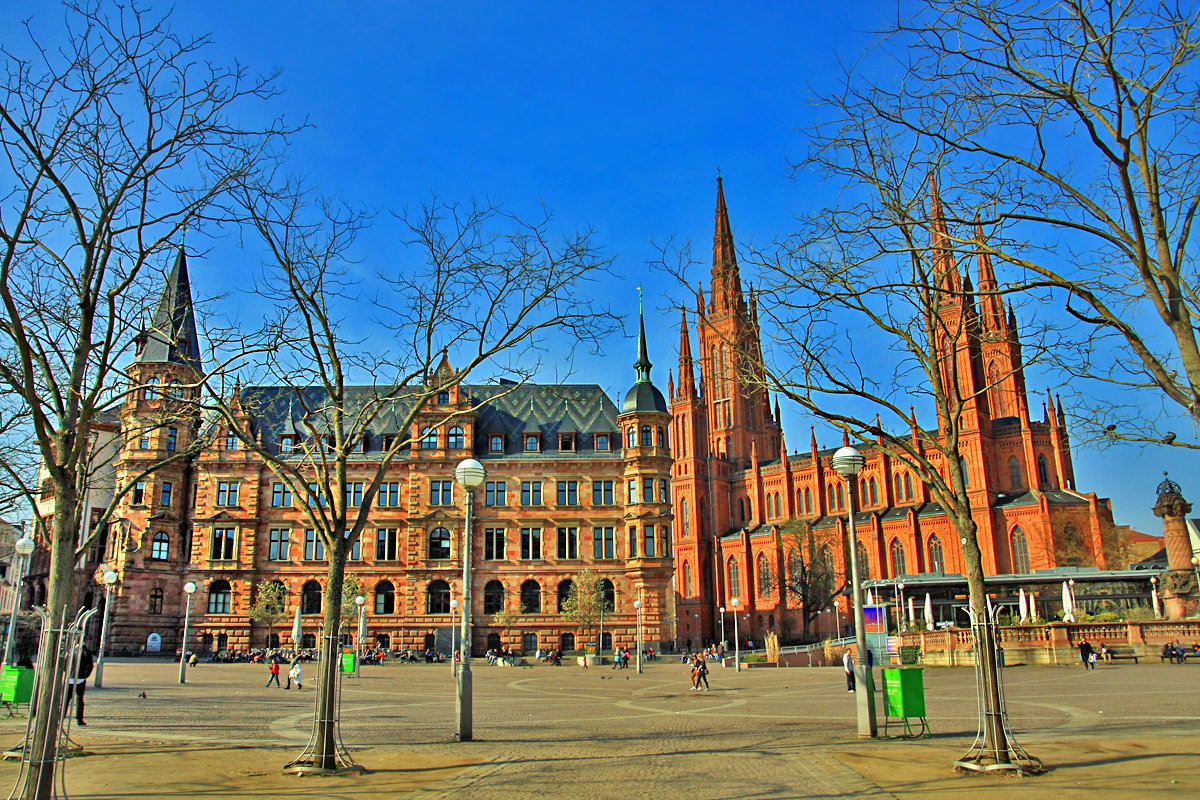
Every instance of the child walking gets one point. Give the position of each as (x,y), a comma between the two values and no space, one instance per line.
(274,670)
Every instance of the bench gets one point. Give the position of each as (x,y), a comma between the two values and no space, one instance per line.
(1123,654)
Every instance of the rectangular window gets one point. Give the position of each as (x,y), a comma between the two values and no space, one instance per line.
(227,493)
(389,495)
(531,493)
(664,491)
(277,546)
(531,544)
(648,542)
(316,495)
(165,494)
(286,443)
(440,494)
(493,544)
(633,549)
(496,443)
(139,494)
(647,490)
(601,441)
(222,544)
(602,493)
(602,543)
(314,547)
(568,493)
(566,441)
(172,438)
(144,442)
(495,493)
(281,495)
(356,548)
(568,543)
(665,540)
(632,491)
(532,440)
(385,544)
(231,441)
(354,494)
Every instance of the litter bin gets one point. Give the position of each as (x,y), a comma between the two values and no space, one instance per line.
(16,685)
(348,662)
(904,699)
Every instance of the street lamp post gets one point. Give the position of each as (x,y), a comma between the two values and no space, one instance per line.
(469,473)
(1154,597)
(361,602)
(847,462)
(453,660)
(110,581)
(837,619)
(637,605)
(722,609)
(189,589)
(1074,605)
(24,548)
(737,640)
(901,619)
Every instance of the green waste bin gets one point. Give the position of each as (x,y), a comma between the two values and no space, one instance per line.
(16,684)
(347,662)
(904,697)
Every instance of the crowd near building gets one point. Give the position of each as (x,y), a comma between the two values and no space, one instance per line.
(686,505)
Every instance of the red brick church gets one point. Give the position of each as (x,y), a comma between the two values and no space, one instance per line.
(740,495)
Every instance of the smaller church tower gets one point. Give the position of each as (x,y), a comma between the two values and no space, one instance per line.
(151,540)
(645,430)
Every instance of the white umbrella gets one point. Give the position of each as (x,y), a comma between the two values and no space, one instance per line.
(1023,604)
(928,612)
(1068,605)
(362,629)
(297,631)
(912,616)
(870,598)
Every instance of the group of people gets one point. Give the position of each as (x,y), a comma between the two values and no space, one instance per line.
(551,657)
(621,658)
(699,672)
(1176,653)
(295,672)
(504,656)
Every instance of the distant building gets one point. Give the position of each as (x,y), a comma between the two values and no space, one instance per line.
(743,502)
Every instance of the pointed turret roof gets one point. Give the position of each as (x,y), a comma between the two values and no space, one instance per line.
(726,281)
(171,336)
(644,396)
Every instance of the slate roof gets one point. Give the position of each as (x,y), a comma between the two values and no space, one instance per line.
(1053,497)
(171,336)
(500,409)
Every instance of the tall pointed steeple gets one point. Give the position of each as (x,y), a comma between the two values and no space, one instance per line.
(942,250)
(991,309)
(644,396)
(726,282)
(687,377)
(171,336)
(642,365)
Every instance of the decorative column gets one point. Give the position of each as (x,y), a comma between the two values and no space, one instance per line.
(1179,590)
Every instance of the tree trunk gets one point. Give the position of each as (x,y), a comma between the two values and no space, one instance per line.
(325,755)
(59,605)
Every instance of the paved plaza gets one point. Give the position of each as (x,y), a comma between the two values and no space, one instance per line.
(565,732)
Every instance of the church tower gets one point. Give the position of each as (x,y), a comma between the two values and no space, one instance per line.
(160,417)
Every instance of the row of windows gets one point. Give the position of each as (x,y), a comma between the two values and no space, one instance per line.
(170,441)
(437,597)
(532,442)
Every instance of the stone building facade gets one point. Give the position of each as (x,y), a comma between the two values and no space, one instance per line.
(740,496)
(572,483)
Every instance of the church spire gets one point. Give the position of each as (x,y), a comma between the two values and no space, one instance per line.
(171,336)
(687,379)
(991,309)
(642,365)
(945,271)
(726,282)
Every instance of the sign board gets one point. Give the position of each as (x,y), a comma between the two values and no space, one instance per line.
(153,643)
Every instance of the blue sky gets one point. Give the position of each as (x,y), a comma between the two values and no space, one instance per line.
(616,115)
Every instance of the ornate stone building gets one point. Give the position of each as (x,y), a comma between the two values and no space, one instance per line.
(740,496)
(572,483)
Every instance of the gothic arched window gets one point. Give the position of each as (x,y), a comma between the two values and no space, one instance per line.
(735,579)
(685,518)
(937,559)
(899,565)
(1020,551)
(687,579)
(908,486)
(1043,472)
(864,563)
(1014,472)
(874,492)
(764,575)
(807,501)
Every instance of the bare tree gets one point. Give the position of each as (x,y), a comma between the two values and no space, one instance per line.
(116,137)
(475,284)
(1072,127)
(809,571)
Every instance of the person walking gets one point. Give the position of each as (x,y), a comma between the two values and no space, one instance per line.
(1087,654)
(702,674)
(848,665)
(78,684)
(274,670)
(296,674)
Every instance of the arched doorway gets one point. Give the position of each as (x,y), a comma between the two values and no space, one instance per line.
(529,642)
(568,642)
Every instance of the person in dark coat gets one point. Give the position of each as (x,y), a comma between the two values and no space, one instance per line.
(1085,654)
(78,684)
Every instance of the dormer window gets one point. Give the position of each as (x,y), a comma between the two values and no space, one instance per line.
(286,443)
(496,443)
(359,445)
(566,441)
(443,398)
(389,441)
(231,441)
(602,441)
(532,443)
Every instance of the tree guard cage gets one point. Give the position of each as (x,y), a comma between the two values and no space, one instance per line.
(995,746)
(38,779)
(322,755)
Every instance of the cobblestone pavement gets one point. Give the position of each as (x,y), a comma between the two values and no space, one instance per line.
(603,733)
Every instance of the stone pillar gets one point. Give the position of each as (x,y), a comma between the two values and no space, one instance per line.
(1178,583)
